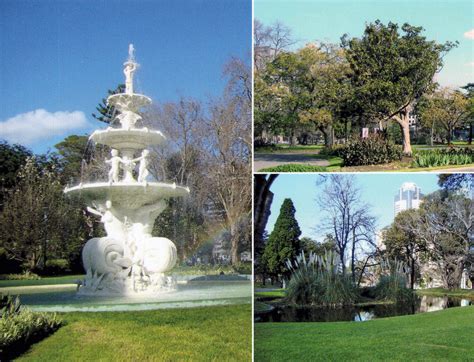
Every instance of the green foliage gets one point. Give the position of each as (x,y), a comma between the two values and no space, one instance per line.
(12,158)
(57,267)
(27,275)
(72,151)
(294,168)
(38,222)
(283,243)
(391,66)
(443,157)
(106,113)
(21,327)
(318,281)
(372,150)
(392,285)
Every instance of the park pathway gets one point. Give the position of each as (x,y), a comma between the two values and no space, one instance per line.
(264,160)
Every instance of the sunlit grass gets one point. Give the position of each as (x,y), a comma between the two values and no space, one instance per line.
(197,334)
(443,335)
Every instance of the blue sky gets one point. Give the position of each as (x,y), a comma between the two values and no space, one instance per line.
(62,56)
(378,190)
(329,20)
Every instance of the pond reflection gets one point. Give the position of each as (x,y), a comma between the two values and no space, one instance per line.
(360,314)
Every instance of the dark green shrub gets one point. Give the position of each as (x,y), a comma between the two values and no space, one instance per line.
(294,168)
(243,268)
(24,276)
(443,157)
(334,150)
(372,150)
(57,267)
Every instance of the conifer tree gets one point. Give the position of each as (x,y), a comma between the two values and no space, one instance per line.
(283,243)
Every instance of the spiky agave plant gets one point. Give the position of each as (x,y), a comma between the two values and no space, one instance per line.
(318,281)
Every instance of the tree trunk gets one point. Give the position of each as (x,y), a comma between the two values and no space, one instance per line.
(404,121)
(353,256)
(406,139)
(234,249)
(450,131)
(432,136)
(470,133)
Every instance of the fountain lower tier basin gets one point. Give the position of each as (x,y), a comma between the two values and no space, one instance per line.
(125,101)
(128,195)
(192,294)
(131,139)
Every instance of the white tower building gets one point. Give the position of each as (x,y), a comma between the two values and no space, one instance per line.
(408,197)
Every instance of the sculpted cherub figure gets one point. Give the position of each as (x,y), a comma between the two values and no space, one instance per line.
(114,163)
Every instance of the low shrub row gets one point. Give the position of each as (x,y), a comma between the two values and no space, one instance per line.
(294,168)
(23,276)
(443,157)
(20,327)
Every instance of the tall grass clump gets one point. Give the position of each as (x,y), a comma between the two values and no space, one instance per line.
(392,285)
(20,327)
(318,281)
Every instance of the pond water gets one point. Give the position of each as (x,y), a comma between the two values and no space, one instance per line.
(359,314)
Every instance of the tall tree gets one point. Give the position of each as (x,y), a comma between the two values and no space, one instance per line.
(446,226)
(12,158)
(107,113)
(72,152)
(283,243)
(392,70)
(448,108)
(38,223)
(469,88)
(348,219)
(402,243)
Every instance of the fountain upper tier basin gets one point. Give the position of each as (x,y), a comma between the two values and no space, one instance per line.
(135,138)
(129,195)
(128,102)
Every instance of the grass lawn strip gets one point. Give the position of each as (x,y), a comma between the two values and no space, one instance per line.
(198,334)
(443,335)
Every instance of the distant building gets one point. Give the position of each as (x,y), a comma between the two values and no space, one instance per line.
(408,197)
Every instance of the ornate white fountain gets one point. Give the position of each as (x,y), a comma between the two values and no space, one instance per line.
(129,261)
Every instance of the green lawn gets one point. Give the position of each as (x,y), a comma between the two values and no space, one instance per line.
(443,335)
(198,334)
(68,279)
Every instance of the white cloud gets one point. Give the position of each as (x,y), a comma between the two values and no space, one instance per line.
(28,128)
(470,64)
(469,34)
